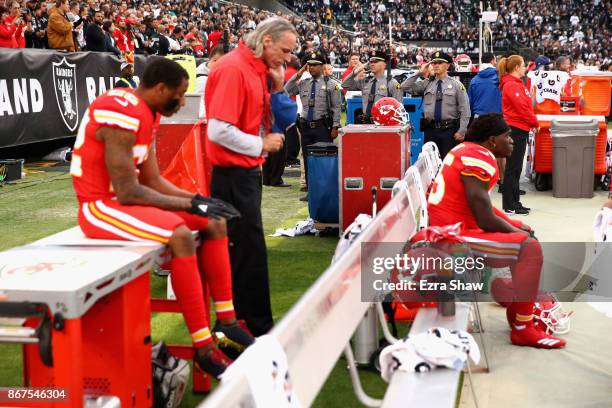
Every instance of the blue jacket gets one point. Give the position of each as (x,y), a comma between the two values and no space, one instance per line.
(484,93)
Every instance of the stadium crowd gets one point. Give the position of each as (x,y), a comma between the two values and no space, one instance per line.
(335,27)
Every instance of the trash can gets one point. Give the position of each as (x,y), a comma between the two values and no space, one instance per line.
(573,158)
(323,182)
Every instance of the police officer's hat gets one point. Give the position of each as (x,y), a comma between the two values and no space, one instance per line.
(316,58)
(441,57)
(376,56)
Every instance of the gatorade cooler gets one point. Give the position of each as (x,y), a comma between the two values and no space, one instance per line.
(569,105)
(322,185)
(543,160)
(594,88)
(370,156)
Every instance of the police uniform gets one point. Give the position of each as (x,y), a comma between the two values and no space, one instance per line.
(446,108)
(372,88)
(321,105)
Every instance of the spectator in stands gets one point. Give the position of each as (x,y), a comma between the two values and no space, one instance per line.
(126,79)
(124,39)
(59,29)
(238,140)
(214,37)
(353,62)
(37,38)
(77,22)
(7,30)
(95,39)
(518,113)
(109,40)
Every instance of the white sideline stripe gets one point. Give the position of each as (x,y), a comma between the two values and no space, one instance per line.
(110,228)
(134,222)
(492,243)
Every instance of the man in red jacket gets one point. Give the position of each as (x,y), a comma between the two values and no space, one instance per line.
(518,112)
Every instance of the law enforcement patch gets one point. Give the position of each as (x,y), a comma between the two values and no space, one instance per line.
(461,87)
(397,86)
(338,87)
(382,87)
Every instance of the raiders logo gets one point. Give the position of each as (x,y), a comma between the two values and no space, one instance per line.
(64,81)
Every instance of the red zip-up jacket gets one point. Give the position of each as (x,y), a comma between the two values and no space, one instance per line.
(516,103)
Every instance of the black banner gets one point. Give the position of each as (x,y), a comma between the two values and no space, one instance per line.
(44,93)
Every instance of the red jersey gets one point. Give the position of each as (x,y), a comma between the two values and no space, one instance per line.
(124,39)
(119,109)
(447,201)
(213,40)
(237,93)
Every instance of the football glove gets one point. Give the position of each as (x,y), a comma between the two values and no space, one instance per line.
(212,208)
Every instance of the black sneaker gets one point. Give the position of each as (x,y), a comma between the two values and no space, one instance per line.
(235,335)
(522,192)
(523,207)
(516,211)
(305,198)
(214,362)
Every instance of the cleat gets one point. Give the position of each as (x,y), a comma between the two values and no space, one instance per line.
(214,362)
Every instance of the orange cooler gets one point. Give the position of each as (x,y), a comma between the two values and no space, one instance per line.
(543,142)
(594,87)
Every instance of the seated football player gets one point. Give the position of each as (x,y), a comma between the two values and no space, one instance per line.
(122,195)
(460,193)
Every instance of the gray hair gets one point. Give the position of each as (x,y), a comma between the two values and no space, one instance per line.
(560,61)
(274,27)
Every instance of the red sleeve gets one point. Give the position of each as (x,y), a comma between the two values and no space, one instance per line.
(5,32)
(520,104)
(225,95)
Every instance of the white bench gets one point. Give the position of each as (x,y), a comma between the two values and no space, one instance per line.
(439,387)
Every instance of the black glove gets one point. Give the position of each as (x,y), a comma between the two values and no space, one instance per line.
(212,208)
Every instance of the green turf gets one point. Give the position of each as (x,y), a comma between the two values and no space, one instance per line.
(44,203)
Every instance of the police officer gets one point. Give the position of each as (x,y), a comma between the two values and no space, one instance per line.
(446,108)
(374,86)
(321,98)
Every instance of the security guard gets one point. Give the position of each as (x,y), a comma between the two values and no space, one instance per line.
(446,108)
(373,87)
(321,98)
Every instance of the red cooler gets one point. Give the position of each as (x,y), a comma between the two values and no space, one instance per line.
(370,156)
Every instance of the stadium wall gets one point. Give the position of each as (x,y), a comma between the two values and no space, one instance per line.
(44,93)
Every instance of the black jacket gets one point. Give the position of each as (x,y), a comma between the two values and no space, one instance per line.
(95,40)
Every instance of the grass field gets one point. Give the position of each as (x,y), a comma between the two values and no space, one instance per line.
(44,203)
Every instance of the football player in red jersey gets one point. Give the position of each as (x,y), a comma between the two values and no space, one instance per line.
(460,193)
(122,195)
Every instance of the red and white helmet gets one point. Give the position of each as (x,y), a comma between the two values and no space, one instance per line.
(389,112)
(463,63)
(549,313)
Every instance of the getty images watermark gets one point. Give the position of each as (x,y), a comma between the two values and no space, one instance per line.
(572,271)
